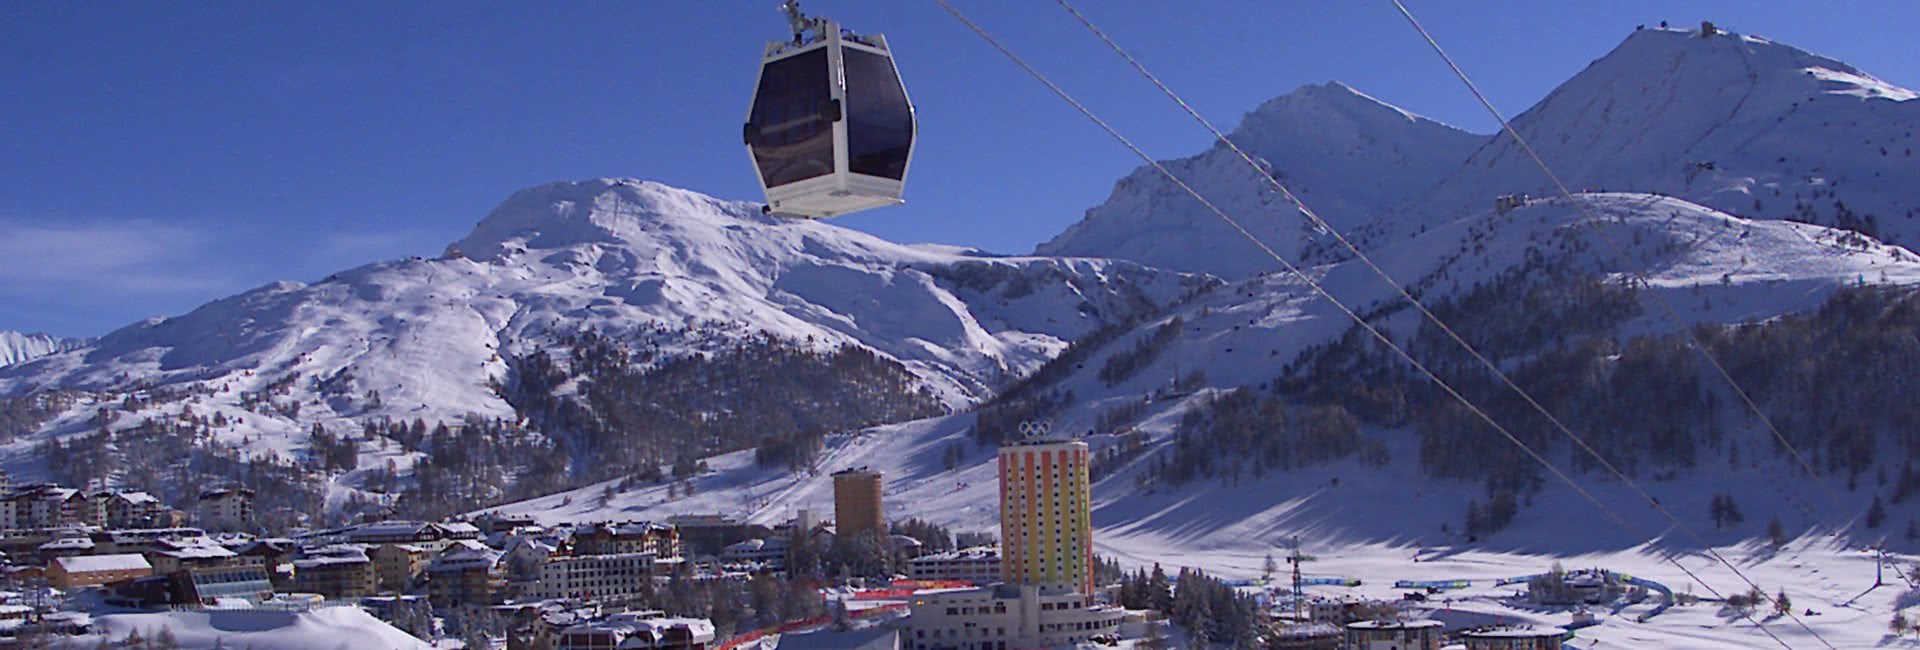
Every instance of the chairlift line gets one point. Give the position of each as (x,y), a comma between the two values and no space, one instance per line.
(830,129)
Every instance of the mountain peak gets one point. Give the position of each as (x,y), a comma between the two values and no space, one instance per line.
(1684,55)
(1349,154)
(602,210)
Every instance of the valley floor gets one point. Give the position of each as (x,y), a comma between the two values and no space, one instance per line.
(1370,526)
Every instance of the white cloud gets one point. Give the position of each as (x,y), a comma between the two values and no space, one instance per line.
(103,257)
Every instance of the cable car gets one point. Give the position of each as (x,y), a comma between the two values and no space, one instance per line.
(830,129)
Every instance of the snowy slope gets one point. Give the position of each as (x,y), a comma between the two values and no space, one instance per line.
(1369,522)
(644,262)
(326,628)
(1349,156)
(20,347)
(1710,266)
(1736,122)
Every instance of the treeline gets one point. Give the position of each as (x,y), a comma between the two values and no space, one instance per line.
(1243,432)
(475,463)
(1213,612)
(633,412)
(1126,363)
(22,415)
(177,458)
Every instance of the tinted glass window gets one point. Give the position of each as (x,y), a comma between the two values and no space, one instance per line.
(879,119)
(790,132)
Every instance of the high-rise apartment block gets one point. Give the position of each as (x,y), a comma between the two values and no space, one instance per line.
(857,507)
(1046,520)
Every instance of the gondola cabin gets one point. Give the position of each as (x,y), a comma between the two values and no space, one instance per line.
(830,130)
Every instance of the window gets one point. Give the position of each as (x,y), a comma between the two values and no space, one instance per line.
(790,131)
(879,119)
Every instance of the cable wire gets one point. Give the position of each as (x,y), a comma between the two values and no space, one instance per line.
(1694,341)
(1321,291)
(1316,221)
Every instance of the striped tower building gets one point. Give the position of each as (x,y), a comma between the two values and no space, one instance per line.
(1046,523)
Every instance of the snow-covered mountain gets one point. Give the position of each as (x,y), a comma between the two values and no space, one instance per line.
(623,256)
(20,347)
(1739,123)
(1734,122)
(663,270)
(1349,156)
(1712,267)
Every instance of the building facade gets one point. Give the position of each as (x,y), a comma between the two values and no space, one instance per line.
(337,572)
(1516,638)
(980,565)
(88,570)
(857,503)
(396,566)
(1009,616)
(614,579)
(661,540)
(648,630)
(1046,520)
(226,509)
(1395,635)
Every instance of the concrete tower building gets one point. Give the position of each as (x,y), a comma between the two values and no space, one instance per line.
(856,503)
(1046,522)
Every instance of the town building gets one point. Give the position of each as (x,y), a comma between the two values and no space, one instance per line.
(396,566)
(1306,636)
(609,538)
(226,509)
(1046,520)
(868,638)
(139,540)
(67,547)
(338,572)
(1009,616)
(615,579)
(857,505)
(89,570)
(978,565)
(1395,635)
(240,582)
(649,630)
(194,553)
(47,506)
(425,534)
(770,552)
(275,556)
(1515,638)
(466,573)
(708,534)
(132,510)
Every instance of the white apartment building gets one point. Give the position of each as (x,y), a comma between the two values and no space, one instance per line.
(610,578)
(1006,616)
(979,565)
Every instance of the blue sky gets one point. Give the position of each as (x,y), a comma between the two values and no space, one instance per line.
(154,156)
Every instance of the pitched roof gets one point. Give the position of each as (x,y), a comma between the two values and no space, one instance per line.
(92,563)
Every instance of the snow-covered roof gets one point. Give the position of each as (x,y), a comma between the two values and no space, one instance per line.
(465,554)
(193,548)
(833,640)
(68,544)
(137,498)
(1517,632)
(975,553)
(95,563)
(1394,625)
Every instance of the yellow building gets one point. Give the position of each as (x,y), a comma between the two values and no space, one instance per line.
(857,507)
(1046,521)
